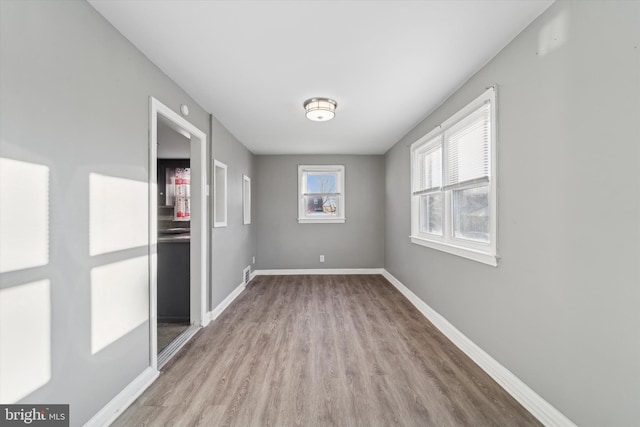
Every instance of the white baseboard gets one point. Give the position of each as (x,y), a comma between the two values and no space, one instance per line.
(126,397)
(213,314)
(206,320)
(304,271)
(539,408)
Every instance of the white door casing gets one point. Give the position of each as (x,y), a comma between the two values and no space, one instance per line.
(198,245)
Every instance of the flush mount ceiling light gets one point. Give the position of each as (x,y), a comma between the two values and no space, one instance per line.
(320,109)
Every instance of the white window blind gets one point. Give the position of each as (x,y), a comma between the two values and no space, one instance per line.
(469,150)
(428,167)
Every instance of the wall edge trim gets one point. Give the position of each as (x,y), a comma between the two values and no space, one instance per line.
(546,413)
(117,405)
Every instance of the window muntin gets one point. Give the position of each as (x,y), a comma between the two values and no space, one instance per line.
(321,193)
(453,206)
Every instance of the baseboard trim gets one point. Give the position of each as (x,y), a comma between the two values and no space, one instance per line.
(126,397)
(303,271)
(213,314)
(533,402)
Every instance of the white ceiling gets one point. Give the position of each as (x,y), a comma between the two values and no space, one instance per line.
(388,64)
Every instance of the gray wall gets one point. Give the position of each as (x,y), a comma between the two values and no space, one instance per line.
(283,243)
(171,144)
(75,98)
(561,310)
(233,246)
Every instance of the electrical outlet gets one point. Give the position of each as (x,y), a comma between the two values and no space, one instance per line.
(321,258)
(254,260)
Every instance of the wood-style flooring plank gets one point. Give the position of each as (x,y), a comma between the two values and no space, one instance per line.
(335,350)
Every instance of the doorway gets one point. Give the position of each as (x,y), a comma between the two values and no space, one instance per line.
(174,237)
(192,307)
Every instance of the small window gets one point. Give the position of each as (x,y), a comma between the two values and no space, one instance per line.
(453,190)
(321,194)
(219,194)
(246,200)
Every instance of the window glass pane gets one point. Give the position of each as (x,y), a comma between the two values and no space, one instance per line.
(321,183)
(322,205)
(471,214)
(427,169)
(431,213)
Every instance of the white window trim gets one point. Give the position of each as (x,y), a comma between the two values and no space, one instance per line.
(484,253)
(302,217)
(219,198)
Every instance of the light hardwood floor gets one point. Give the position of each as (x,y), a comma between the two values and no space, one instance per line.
(323,351)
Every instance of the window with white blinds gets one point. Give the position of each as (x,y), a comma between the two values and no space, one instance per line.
(453,206)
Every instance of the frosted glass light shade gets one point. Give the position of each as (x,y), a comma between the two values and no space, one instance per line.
(320,109)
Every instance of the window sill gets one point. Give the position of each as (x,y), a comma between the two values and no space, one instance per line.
(471,254)
(322,221)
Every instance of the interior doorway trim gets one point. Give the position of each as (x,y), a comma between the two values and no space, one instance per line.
(198,244)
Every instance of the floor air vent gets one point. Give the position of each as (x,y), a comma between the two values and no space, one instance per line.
(246,275)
